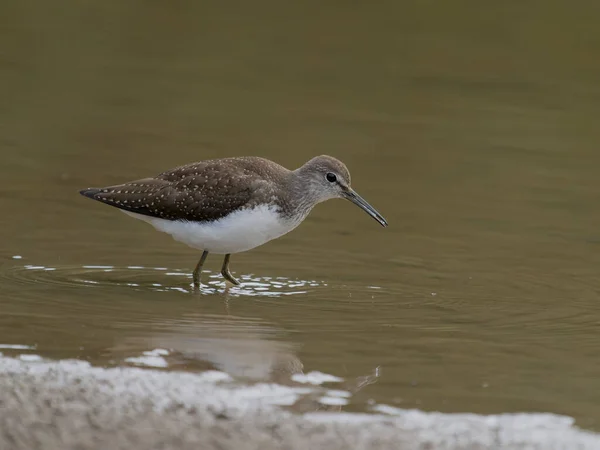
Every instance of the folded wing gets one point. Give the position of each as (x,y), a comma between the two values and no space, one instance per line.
(198,192)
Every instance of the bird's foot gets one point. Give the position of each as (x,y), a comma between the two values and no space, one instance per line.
(227,275)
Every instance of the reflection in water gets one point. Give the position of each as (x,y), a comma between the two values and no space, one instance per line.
(246,350)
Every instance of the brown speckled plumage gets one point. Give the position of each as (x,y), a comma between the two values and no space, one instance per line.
(200,192)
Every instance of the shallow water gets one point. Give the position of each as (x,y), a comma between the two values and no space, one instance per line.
(474,132)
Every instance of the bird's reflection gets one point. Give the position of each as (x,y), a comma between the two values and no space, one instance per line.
(248,349)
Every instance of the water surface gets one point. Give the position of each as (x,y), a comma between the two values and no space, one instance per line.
(472,128)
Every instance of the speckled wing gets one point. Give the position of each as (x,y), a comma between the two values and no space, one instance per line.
(200,192)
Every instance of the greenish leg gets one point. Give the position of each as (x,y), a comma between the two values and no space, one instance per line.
(226,273)
(198,269)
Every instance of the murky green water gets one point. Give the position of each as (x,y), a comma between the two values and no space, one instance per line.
(472,128)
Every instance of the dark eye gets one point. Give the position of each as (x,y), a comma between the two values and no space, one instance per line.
(331,177)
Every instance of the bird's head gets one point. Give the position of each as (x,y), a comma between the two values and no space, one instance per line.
(325,177)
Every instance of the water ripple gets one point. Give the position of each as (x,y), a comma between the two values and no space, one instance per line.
(161,279)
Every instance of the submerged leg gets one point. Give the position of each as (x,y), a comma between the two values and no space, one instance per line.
(198,268)
(226,273)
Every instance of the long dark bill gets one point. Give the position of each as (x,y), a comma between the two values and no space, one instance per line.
(364,205)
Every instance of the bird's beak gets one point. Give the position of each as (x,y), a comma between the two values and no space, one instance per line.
(362,203)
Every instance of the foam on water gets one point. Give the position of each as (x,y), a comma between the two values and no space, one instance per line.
(124,390)
(315,378)
(17,347)
(333,401)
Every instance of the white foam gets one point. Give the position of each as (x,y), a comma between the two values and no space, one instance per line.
(157,352)
(150,358)
(126,389)
(17,346)
(333,401)
(338,393)
(315,378)
(214,376)
(148,361)
(163,389)
(30,358)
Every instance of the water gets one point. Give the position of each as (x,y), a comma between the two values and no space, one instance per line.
(472,128)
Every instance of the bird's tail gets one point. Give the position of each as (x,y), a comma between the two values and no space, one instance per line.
(90,192)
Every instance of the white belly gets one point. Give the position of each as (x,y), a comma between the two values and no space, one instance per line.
(239,231)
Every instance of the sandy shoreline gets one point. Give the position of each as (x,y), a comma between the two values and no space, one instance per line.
(70,405)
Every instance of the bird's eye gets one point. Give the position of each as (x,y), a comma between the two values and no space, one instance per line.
(331,177)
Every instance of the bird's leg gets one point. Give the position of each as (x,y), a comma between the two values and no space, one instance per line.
(198,269)
(226,273)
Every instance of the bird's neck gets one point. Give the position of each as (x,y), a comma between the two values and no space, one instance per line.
(300,198)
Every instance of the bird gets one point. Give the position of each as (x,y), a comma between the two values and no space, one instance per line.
(231,205)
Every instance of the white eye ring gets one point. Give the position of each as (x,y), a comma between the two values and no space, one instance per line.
(331,177)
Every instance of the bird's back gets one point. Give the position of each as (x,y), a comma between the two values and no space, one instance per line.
(201,192)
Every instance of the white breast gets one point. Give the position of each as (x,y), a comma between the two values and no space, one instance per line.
(239,231)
